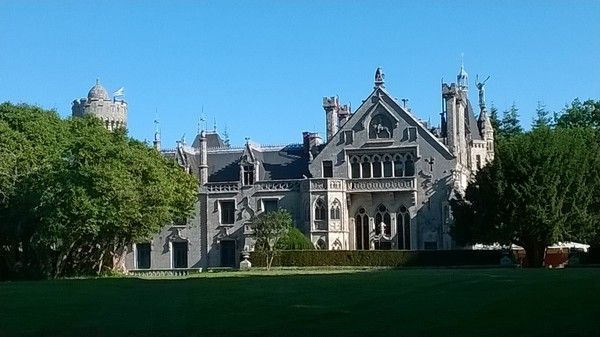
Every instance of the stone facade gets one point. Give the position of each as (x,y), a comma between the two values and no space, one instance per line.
(382,180)
(112,112)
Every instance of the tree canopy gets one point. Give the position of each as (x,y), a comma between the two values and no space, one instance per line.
(542,187)
(74,195)
(269,228)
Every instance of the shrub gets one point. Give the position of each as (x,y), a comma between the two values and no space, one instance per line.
(380,258)
(294,240)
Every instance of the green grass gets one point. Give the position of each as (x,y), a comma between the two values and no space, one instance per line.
(409,302)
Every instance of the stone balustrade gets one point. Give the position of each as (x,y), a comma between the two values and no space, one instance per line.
(222,187)
(278,185)
(165,272)
(381,184)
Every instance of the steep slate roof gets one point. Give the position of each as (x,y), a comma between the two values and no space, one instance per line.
(276,163)
(471,122)
(213,140)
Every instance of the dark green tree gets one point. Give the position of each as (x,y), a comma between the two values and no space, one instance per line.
(578,114)
(510,125)
(269,228)
(542,117)
(81,194)
(496,123)
(541,188)
(295,240)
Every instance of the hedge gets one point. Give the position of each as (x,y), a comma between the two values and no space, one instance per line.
(379,258)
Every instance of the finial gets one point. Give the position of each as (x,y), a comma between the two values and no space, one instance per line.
(215,124)
(379,77)
(97,81)
(247,140)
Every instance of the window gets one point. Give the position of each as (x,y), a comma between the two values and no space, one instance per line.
(321,244)
(355,167)
(320,210)
(335,210)
(387,166)
(398,167)
(248,174)
(361,225)
(478,161)
(409,166)
(142,251)
(327,169)
(180,254)
(366,168)
(403,228)
(383,221)
(270,205)
(227,212)
(376,167)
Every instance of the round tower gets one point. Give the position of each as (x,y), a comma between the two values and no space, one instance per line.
(112,112)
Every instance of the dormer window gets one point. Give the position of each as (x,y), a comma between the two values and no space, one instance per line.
(248,174)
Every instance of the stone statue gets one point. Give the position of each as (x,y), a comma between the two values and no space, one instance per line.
(481,88)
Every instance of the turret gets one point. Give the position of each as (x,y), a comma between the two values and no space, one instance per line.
(156,141)
(331,106)
(203,167)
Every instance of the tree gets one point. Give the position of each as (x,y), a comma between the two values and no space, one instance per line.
(88,195)
(542,117)
(510,124)
(295,240)
(496,123)
(578,114)
(541,188)
(269,228)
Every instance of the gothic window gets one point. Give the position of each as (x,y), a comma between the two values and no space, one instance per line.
(409,166)
(403,228)
(387,166)
(361,223)
(321,244)
(376,167)
(327,169)
(383,219)
(142,251)
(366,168)
(398,166)
(248,174)
(335,210)
(320,210)
(227,208)
(355,167)
(380,127)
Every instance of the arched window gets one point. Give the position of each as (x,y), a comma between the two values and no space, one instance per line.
(376,167)
(403,228)
(366,168)
(335,210)
(320,210)
(355,167)
(321,244)
(383,219)
(409,166)
(361,226)
(387,166)
(398,166)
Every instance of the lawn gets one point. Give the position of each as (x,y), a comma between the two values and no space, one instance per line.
(408,302)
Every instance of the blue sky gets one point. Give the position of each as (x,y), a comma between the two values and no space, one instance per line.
(261,68)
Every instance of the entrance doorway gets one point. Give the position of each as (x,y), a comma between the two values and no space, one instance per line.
(180,254)
(228,253)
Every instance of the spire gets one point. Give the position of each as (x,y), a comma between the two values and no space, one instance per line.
(156,141)
(462,79)
(379,78)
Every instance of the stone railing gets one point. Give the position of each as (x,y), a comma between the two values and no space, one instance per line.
(221,187)
(278,185)
(165,272)
(326,184)
(381,185)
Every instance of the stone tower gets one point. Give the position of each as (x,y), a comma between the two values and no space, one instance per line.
(112,112)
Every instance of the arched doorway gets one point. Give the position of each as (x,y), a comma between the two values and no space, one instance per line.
(361,223)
